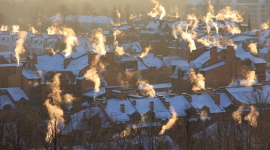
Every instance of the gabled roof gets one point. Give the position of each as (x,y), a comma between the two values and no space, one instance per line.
(153,62)
(113,110)
(179,104)
(201,100)
(243,55)
(16,93)
(161,112)
(216,65)
(5,100)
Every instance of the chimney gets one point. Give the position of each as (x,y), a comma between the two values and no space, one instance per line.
(19,70)
(177,43)
(151,104)
(122,107)
(66,62)
(190,57)
(231,51)
(110,56)
(134,102)
(91,57)
(245,46)
(171,95)
(167,104)
(35,58)
(213,52)
(108,92)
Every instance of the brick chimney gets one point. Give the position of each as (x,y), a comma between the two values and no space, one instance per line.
(151,105)
(245,46)
(35,58)
(213,52)
(108,92)
(122,107)
(231,51)
(167,104)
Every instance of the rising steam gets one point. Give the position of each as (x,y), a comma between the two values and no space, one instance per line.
(146,51)
(170,123)
(98,40)
(70,40)
(20,46)
(252,116)
(157,10)
(146,88)
(250,79)
(237,115)
(15,28)
(4,28)
(253,48)
(197,80)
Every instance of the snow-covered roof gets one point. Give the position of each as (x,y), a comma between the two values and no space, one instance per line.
(16,93)
(216,65)
(85,19)
(242,38)
(201,100)
(175,61)
(78,120)
(179,104)
(141,66)
(30,74)
(95,94)
(225,101)
(5,100)
(162,85)
(248,96)
(143,106)
(200,60)
(123,59)
(113,110)
(153,62)
(243,55)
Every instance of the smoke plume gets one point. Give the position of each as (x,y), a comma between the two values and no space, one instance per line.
(264,26)
(146,51)
(146,88)
(33,30)
(227,14)
(4,28)
(70,40)
(252,116)
(20,46)
(170,123)
(15,28)
(197,80)
(253,48)
(98,41)
(157,10)
(237,115)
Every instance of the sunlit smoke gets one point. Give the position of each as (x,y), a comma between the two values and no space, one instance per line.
(197,80)
(157,10)
(193,22)
(56,121)
(118,14)
(115,33)
(68,99)
(20,46)
(93,73)
(133,16)
(233,29)
(170,123)
(203,114)
(264,26)
(52,30)
(70,40)
(250,79)
(4,28)
(15,28)
(98,40)
(237,115)
(253,48)
(33,30)
(146,51)
(252,116)
(119,50)
(146,88)
(227,14)
(210,7)
(175,12)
